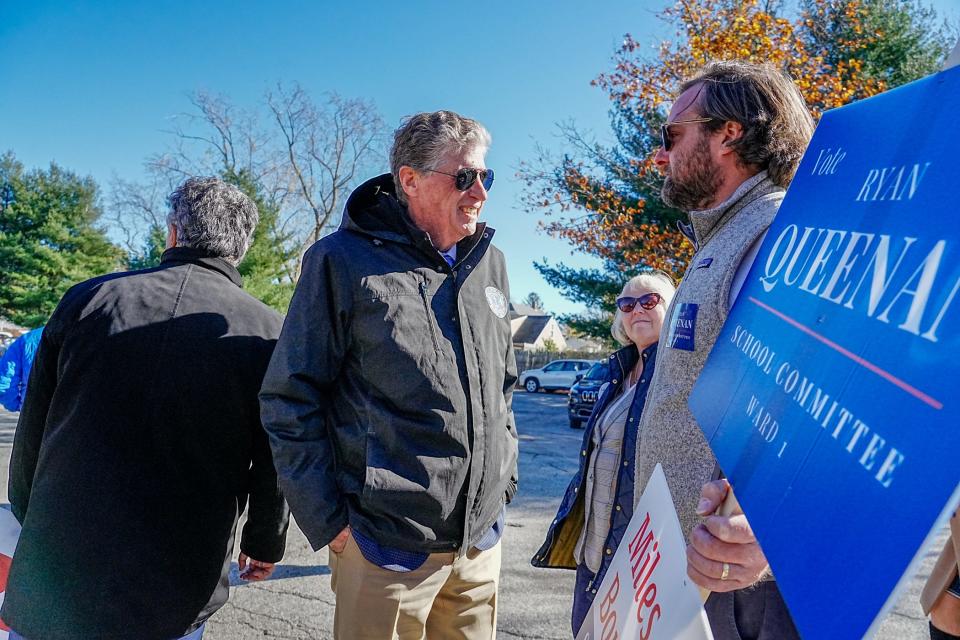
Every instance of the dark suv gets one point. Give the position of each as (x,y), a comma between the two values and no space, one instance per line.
(583,394)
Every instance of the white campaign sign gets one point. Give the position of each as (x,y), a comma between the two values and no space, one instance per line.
(9,534)
(646,593)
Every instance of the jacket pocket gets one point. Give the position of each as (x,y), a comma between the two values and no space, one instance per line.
(429,315)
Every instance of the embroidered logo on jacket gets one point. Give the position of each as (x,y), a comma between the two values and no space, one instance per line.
(497,301)
(705,263)
(683,325)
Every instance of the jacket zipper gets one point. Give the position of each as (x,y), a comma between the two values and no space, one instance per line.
(426,308)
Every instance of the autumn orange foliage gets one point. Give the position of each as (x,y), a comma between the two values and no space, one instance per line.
(622,220)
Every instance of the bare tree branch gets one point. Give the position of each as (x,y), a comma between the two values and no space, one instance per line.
(303,155)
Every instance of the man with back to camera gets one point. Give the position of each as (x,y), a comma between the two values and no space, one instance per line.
(140,441)
(730,147)
(388,399)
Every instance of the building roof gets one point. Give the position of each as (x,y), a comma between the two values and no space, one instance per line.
(517,309)
(531,328)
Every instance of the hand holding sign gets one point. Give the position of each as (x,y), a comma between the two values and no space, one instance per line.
(723,554)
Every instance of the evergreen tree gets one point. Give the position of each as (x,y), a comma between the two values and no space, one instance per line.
(153,247)
(534,301)
(895,41)
(267,265)
(49,240)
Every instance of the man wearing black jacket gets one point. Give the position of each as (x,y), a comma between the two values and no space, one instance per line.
(388,398)
(140,441)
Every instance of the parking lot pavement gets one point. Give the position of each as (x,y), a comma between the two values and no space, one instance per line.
(534,603)
(8,426)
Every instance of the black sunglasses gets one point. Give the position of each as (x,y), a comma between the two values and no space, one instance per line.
(666,140)
(466,177)
(646,301)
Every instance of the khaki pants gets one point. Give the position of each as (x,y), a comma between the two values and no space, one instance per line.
(449,597)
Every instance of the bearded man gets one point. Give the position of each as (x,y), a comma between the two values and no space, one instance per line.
(730,147)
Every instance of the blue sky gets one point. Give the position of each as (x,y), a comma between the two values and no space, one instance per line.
(92,85)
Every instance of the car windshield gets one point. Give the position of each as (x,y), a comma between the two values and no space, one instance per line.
(597,372)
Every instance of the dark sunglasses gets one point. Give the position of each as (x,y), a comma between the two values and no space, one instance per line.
(466,177)
(666,140)
(647,301)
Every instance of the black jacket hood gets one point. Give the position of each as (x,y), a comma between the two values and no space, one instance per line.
(373,209)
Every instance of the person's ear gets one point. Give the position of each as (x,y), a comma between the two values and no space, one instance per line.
(409,181)
(730,132)
(171,237)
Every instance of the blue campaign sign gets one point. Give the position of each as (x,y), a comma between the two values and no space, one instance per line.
(830,397)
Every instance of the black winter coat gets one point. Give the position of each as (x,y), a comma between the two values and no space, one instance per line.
(388,398)
(135,452)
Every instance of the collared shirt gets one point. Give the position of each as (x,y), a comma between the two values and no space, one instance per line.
(403,561)
(600,491)
(450,255)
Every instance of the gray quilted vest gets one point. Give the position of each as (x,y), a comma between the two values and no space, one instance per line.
(668,433)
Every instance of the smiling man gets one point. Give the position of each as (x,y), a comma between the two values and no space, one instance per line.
(388,399)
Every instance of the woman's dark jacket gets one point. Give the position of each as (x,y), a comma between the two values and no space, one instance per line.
(137,447)
(557,549)
(388,398)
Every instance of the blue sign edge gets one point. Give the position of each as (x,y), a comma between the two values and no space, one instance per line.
(953,504)
(914,566)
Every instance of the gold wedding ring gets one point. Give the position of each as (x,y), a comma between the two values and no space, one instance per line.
(726,571)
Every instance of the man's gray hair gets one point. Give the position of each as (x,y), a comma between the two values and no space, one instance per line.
(776,122)
(213,216)
(424,139)
(659,282)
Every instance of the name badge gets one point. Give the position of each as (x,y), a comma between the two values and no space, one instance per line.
(683,325)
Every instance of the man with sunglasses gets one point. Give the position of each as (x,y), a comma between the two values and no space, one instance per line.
(388,399)
(730,146)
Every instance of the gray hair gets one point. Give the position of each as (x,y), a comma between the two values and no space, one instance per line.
(214,216)
(776,122)
(424,139)
(659,282)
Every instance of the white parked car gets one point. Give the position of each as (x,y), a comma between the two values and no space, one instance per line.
(559,374)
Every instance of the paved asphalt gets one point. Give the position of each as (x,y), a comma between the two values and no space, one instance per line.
(534,603)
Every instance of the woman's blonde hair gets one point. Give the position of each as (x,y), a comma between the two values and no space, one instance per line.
(660,281)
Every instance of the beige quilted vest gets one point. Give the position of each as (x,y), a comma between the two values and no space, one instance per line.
(668,433)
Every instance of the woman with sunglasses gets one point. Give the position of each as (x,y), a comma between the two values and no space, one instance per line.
(598,503)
